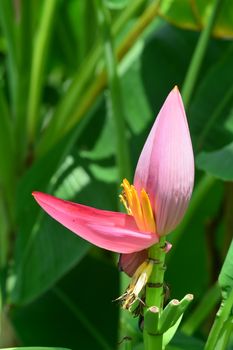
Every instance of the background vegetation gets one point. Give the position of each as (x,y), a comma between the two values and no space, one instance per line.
(63,131)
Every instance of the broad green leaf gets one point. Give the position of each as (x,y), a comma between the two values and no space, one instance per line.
(194,15)
(226,275)
(77,313)
(210,123)
(218,163)
(99,150)
(184,342)
(138,112)
(33,231)
(51,252)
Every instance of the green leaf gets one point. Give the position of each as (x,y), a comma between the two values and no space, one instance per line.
(195,15)
(220,330)
(52,251)
(40,52)
(169,334)
(70,314)
(213,132)
(116,4)
(225,335)
(226,275)
(218,163)
(6,150)
(8,27)
(184,342)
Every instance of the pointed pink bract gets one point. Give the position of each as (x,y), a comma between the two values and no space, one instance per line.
(109,230)
(166,166)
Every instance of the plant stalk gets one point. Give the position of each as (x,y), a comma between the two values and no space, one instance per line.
(155,291)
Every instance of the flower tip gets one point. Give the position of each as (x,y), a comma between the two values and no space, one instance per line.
(36,194)
(176,89)
(39,196)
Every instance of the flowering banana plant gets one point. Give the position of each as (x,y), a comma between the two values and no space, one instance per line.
(155,203)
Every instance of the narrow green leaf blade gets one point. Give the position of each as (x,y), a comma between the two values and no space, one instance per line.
(226,275)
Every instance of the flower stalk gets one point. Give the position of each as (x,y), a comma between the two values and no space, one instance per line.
(155,291)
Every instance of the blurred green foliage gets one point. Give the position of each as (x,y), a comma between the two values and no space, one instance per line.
(57,135)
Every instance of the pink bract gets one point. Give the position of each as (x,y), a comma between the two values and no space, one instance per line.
(106,229)
(165,167)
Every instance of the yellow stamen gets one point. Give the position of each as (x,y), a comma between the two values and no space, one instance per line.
(148,216)
(139,207)
(137,210)
(123,201)
(127,192)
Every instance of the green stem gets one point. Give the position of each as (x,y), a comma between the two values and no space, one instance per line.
(152,342)
(128,344)
(197,58)
(155,292)
(122,150)
(220,319)
(38,64)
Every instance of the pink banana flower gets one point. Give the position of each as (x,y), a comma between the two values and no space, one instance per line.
(155,203)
